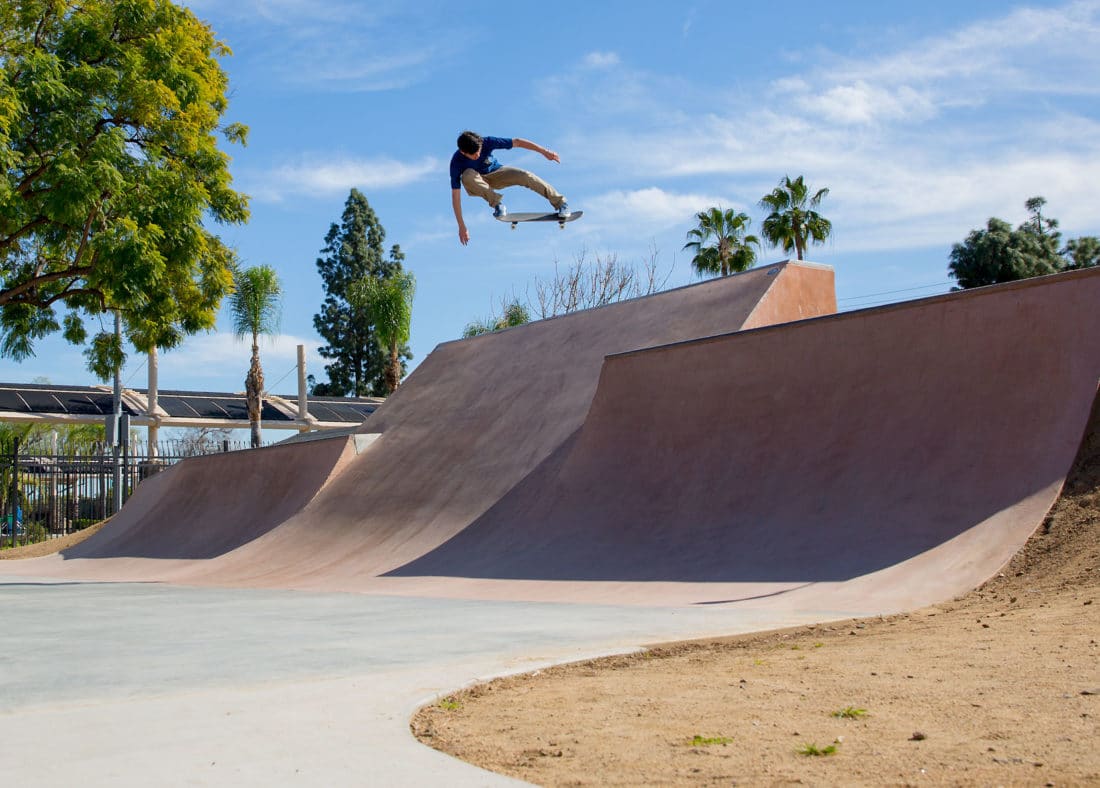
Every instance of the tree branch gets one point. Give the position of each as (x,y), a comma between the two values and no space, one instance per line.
(16,293)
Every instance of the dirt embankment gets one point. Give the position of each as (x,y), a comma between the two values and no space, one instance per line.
(999,687)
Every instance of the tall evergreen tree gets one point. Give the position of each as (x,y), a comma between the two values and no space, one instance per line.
(353,250)
(1000,254)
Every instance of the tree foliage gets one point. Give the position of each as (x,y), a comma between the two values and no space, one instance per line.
(793,220)
(999,253)
(1083,252)
(353,251)
(721,243)
(513,314)
(110,114)
(255,310)
(389,303)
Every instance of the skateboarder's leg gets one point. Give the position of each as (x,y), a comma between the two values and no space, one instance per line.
(476,186)
(514,176)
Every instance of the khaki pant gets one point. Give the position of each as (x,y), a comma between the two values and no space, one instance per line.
(484,186)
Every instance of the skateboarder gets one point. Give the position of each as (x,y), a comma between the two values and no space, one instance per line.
(474,168)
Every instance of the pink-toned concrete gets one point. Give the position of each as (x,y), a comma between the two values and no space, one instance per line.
(207,506)
(870,461)
(900,455)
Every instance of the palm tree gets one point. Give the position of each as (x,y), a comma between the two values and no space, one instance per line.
(254,306)
(389,303)
(731,250)
(793,219)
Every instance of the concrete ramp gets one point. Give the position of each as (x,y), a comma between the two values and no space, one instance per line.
(890,457)
(474,420)
(207,506)
(676,449)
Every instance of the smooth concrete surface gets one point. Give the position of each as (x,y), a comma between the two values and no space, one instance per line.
(473,420)
(123,684)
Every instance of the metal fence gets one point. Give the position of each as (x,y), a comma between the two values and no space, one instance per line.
(49,489)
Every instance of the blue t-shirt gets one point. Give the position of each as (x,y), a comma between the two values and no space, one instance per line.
(485,163)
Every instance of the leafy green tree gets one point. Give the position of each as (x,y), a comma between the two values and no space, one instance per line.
(1082,252)
(389,303)
(1000,254)
(254,306)
(110,115)
(721,243)
(793,220)
(353,250)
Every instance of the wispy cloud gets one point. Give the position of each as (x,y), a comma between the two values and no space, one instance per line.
(221,361)
(917,145)
(340,45)
(654,207)
(600,60)
(317,175)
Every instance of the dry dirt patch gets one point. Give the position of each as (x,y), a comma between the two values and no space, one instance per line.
(50,546)
(999,687)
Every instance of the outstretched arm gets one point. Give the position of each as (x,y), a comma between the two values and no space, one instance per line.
(456,203)
(517,142)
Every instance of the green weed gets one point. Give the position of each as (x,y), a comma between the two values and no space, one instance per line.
(850,713)
(706,741)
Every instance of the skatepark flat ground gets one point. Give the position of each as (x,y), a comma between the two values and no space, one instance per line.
(119,684)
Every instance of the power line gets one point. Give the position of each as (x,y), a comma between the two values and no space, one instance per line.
(280,380)
(891,292)
(140,367)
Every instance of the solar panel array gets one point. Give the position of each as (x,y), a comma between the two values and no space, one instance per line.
(48,399)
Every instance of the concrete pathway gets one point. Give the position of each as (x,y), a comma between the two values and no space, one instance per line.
(146,684)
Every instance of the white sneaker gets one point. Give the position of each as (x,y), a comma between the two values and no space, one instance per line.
(500,211)
(563,211)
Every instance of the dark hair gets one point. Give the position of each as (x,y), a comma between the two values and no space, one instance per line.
(469,142)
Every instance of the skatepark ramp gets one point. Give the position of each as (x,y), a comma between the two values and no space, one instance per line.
(733,442)
(902,453)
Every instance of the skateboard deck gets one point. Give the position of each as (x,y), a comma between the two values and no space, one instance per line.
(515,218)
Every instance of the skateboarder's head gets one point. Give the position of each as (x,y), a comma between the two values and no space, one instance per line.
(469,143)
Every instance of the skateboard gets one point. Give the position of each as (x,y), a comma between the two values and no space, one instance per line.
(515,218)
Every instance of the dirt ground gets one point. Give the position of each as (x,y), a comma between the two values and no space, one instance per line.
(999,687)
(50,546)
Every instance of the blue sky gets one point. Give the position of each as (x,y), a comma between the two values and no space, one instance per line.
(923,119)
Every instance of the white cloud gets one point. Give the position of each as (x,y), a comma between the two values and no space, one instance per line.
(652,207)
(859,102)
(917,146)
(600,59)
(341,45)
(316,175)
(220,361)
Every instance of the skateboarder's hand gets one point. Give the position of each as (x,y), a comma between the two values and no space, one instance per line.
(463,234)
(552,155)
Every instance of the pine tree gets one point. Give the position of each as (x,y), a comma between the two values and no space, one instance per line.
(353,250)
